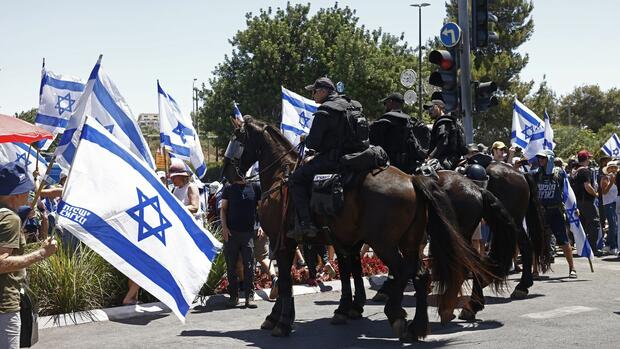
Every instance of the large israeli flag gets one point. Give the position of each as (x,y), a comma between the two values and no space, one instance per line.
(142,230)
(528,130)
(570,203)
(177,134)
(102,101)
(548,143)
(612,146)
(297,115)
(25,155)
(237,112)
(57,97)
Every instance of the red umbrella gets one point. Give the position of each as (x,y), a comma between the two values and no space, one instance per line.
(17,130)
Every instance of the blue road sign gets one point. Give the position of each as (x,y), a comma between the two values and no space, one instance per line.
(450,34)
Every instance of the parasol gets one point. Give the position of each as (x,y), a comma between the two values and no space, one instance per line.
(16,130)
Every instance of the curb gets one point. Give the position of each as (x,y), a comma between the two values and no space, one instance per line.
(158,308)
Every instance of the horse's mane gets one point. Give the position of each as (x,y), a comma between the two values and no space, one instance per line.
(273,131)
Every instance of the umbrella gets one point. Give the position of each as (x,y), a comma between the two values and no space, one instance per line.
(15,130)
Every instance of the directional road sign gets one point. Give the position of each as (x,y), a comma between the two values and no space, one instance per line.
(450,34)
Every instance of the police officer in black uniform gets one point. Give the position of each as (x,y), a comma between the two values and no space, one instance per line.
(392,133)
(326,138)
(444,136)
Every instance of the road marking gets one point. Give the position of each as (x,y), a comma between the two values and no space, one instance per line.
(559,312)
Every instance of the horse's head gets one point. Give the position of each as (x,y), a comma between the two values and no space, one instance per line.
(243,148)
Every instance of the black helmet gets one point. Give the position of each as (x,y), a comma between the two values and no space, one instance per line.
(476,172)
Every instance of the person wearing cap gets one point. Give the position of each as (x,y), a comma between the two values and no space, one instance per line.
(550,181)
(328,139)
(444,144)
(609,191)
(185,190)
(404,138)
(584,185)
(15,187)
(214,203)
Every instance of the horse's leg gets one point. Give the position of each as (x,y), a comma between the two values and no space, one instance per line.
(344,264)
(420,326)
(286,318)
(393,310)
(360,292)
(475,304)
(522,289)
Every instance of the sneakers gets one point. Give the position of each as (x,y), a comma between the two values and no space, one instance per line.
(572,274)
(249,302)
(233,301)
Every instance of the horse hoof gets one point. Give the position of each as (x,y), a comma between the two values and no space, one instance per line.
(380,297)
(280,331)
(519,294)
(447,317)
(338,319)
(467,315)
(400,329)
(267,325)
(354,314)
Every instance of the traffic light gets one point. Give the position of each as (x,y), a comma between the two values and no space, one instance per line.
(445,77)
(483,96)
(480,18)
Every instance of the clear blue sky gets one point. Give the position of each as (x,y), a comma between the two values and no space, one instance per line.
(177,41)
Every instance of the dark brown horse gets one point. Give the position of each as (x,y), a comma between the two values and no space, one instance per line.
(389,210)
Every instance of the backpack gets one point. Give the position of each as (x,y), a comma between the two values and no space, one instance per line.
(458,132)
(357,127)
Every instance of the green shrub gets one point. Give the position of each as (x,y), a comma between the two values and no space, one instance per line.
(75,280)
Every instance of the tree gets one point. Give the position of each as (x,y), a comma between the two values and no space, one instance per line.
(501,62)
(544,99)
(287,47)
(590,106)
(28,116)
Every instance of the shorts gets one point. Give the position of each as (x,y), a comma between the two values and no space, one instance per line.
(261,247)
(555,219)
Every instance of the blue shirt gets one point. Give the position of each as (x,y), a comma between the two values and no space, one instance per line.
(242,202)
(550,187)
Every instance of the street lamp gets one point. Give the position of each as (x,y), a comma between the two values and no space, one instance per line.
(194,98)
(420,96)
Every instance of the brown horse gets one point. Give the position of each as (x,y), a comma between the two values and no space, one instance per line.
(388,209)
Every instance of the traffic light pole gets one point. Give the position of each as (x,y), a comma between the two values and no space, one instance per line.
(465,75)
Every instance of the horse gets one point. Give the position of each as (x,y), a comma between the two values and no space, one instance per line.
(518,192)
(388,209)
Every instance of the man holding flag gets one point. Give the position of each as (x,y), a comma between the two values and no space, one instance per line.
(586,193)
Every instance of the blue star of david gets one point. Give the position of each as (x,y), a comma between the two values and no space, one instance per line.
(303,119)
(110,128)
(63,107)
(144,229)
(572,215)
(528,131)
(23,157)
(182,131)
(615,152)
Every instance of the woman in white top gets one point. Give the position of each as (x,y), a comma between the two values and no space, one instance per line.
(610,192)
(185,190)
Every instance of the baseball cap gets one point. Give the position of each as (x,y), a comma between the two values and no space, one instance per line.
(499,145)
(321,83)
(583,155)
(14,179)
(395,96)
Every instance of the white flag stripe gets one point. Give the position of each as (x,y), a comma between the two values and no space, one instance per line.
(297,115)
(142,230)
(548,142)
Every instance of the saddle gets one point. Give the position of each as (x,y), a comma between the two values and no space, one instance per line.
(327,195)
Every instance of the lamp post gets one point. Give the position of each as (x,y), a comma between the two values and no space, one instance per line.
(420,96)
(193,99)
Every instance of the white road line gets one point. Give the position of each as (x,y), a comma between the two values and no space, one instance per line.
(559,312)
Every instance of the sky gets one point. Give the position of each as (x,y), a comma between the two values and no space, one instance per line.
(179,41)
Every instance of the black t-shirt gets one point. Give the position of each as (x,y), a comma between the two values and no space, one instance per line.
(582,176)
(242,202)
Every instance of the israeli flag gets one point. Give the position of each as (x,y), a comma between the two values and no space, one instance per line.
(177,134)
(612,146)
(142,230)
(297,115)
(58,95)
(102,101)
(548,143)
(237,112)
(22,153)
(528,130)
(570,203)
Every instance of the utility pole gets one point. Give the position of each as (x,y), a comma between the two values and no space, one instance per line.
(420,96)
(465,74)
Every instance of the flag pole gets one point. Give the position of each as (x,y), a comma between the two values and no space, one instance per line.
(591,267)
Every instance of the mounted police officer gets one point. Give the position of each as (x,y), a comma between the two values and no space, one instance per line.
(447,139)
(328,138)
(404,138)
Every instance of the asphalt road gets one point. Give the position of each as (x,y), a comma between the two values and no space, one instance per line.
(559,313)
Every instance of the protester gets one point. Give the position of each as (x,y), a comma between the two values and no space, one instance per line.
(15,187)
(186,191)
(214,204)
(610,193)
(239,203)
(586,193)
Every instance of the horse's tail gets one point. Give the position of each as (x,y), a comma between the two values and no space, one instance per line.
(504,237)
(539,236)
(451,254)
